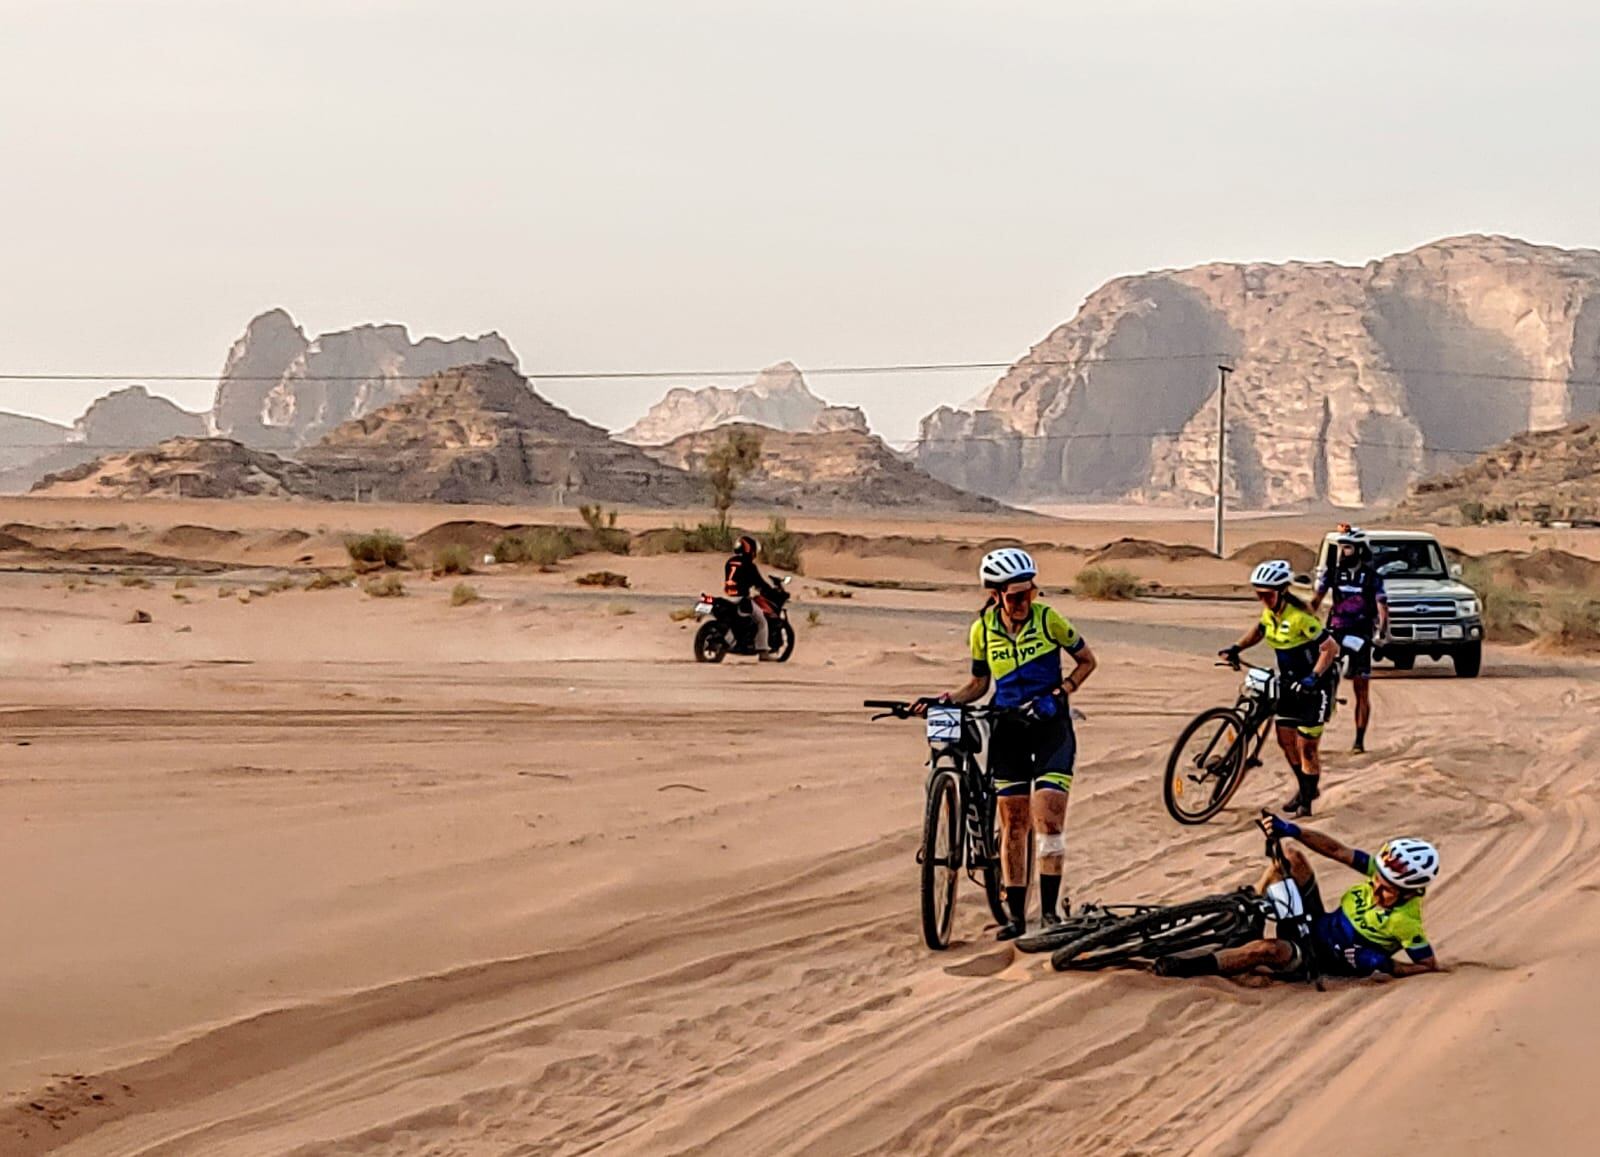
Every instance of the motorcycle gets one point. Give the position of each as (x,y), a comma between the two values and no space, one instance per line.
(723,630)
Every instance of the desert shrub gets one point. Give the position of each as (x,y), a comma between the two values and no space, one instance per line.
(387,587)
(1106,582)
(224,592)
(453,560)
(183,584)
(1507,612)
(545,546)
(603,530)
(780,547)
(681,614)
(619,609)
(814,618)
(381,548)
(680,539)
(281,583)
(602,578)
(835,593)
(179,597)
(463,594)
(1571,621)
(133,580)
(1472,513)
(322,580)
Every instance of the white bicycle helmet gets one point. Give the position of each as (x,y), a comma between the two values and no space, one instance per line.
(1351,536)
(1408,863)
(1274,574)
(1009,564)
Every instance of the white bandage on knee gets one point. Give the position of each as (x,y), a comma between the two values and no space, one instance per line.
(1055,845)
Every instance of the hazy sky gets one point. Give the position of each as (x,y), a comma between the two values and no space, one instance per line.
(727,183)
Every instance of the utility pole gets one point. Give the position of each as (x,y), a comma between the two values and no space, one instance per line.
(1222,449)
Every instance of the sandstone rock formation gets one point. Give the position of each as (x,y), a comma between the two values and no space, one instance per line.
(278,390)
(186,468)
(1349,382)
(778,398)
(481,434)
(831,469)
(1548,475)
(134,417)
(23,441)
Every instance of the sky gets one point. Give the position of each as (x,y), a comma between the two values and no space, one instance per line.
(723,184)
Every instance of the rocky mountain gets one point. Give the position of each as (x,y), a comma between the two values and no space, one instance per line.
(1349,383)
(1551,474)
(481,434)
(836,468)
(122,420)
(24,440)
(778,398)
(183,468)
(280,390)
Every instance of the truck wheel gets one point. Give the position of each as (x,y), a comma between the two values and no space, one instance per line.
(1468,661)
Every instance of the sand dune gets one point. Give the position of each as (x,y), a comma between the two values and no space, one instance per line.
(324,874)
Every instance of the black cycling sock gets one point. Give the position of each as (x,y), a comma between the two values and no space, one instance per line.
(1361,736)
(1049,893)
(1017,904)
(1308,786)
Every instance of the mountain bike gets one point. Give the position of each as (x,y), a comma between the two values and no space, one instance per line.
(1212,923)
(960,826)
(1220,744)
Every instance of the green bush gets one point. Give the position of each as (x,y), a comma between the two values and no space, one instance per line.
(453,560)
(545,546)
(1103,582)
(381,547)
(463,594)
(780,547)
(1472,513)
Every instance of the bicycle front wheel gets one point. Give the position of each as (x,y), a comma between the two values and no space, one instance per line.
(1206,765)
(1212,922)
(941,858)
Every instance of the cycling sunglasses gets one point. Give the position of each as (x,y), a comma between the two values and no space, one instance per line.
(1017,598)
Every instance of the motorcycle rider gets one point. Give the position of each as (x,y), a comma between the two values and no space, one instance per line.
(1018,642)
(740,576)
(1358,618)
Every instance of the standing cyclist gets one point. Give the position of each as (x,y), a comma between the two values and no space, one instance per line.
(1358,617)
(1017,641)
(1306,656)
(740,576)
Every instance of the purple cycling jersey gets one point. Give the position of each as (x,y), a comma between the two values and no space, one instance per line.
(1356,595)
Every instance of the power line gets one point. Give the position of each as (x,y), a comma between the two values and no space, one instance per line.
(1021,364)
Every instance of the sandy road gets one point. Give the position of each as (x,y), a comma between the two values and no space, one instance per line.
(631,905)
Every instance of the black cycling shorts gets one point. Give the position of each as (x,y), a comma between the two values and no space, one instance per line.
(1357,660)
(1306,711)
(1026,755)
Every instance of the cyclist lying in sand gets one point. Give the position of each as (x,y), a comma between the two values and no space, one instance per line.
(1375,919)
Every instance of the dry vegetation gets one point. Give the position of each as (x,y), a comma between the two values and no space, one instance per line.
(1106,582)
(464,594)
(452,560)
(380,548)
(602,578)
(387,587)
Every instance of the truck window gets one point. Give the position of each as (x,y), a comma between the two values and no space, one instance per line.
(1409,558)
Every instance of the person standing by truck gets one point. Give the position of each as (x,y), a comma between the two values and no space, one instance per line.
(1358,617)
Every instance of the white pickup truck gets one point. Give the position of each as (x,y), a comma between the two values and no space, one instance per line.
(1431,611)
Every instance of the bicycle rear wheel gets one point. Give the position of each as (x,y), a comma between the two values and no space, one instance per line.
(1206,765)
(1213,921)
(941,858)
(1081,924)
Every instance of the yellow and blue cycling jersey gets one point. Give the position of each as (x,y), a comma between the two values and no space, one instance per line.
(1370,931)
(1295,636)
(1026,665)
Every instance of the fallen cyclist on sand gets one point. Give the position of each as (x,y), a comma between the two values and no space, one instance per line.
(1375,919)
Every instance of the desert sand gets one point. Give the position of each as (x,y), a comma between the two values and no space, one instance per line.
(316,873)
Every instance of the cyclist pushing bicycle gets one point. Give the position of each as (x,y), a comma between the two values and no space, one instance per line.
(1307,665)
(1017,642)
(1374,921)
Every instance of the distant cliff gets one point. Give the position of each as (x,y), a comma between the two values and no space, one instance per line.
(281,390)
(778,398)
(1349,383)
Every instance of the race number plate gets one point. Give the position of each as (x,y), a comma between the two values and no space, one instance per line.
(944,724)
